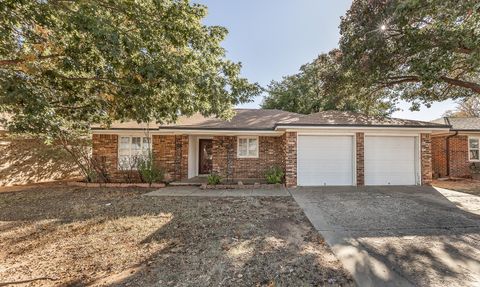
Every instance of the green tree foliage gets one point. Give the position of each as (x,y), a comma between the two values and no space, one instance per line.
(419,51)
(67,64)
(322,85)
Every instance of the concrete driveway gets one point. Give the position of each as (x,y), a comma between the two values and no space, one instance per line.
(399,236)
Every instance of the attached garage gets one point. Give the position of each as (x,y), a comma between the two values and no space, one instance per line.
(325,160)
(391,160)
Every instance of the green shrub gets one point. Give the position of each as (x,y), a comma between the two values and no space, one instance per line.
(274,175)
(90,175)
(214,179)
(149,171)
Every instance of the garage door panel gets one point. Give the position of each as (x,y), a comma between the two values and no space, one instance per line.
(325,160)
(390,160)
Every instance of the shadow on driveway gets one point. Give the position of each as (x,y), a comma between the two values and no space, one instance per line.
(399,235)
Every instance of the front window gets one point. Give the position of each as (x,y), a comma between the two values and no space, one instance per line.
(473,149)
(247,147)
(130,150)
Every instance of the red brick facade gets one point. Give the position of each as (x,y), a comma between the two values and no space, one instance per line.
(459,165)
(360,151)
(290,154)
(227,164)
(181,157)
(171,152)
(426,158)
(105,150)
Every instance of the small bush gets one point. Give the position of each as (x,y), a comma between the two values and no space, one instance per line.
(149,171)
(274,175)
(214,179)
(128,168)
(95,170)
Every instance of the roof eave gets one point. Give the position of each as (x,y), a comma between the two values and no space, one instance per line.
(283,126)
(465,130)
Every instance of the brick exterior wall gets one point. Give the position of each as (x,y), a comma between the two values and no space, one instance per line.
(163,150)
(426,158)
(459,163)
(226,163)
(439,156)
(181,157)
(360,165)
(170,152)
(290,153)
(105,151)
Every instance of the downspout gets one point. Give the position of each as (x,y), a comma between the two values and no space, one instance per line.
(447,146)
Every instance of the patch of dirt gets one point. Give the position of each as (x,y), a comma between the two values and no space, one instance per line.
(110,237)
(462,185)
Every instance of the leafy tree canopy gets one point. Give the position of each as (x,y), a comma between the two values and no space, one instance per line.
(419,51)
(321,85)
(67,64)
(413,50)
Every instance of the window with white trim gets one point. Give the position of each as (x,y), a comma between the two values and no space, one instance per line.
(473,149)
(130,149)
(247,147)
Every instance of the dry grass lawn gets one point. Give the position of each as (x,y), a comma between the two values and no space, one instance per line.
(64,236)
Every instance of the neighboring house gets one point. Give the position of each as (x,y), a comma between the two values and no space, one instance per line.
(455,151)
(325,148)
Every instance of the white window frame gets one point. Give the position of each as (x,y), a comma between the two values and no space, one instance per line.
(130,147)
(470,148)
(248,138)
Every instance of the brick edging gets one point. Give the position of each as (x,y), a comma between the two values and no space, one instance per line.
(244,186)
(112,184)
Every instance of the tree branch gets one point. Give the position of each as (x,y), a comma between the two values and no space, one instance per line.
(97,79)
(474,87)
(12,62)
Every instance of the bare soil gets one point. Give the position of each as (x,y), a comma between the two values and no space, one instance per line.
(462,185)
(74,236)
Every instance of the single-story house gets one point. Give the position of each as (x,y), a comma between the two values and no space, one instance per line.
(324,148)
(453,152)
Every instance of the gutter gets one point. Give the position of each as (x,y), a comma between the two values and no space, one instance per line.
(447,147)
(290,126)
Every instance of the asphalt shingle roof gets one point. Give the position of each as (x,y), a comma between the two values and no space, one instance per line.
(460,124)
(339,118)
(265,119)
(244,119)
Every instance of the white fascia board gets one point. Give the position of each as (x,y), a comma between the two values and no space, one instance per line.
(191,132)
(359,129)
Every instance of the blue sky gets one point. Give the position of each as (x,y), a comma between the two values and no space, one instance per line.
(273,38)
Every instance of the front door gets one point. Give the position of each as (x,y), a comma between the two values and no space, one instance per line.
(205,156)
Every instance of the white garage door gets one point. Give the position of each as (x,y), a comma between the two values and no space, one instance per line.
(390,160)
(325,160)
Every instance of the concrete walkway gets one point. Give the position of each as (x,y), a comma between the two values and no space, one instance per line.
(399,236)
(196,191)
